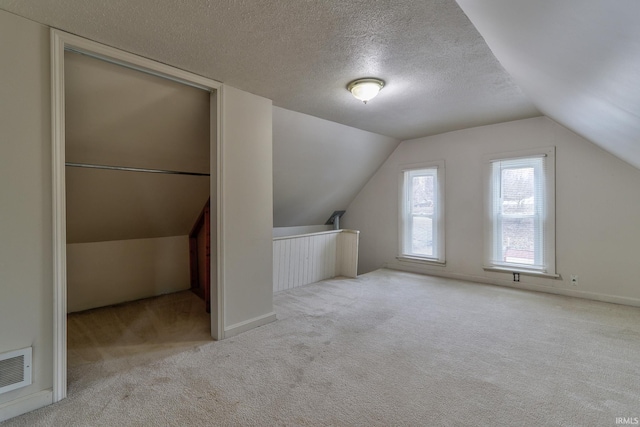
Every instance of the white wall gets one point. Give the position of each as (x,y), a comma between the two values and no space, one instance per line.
(597,209)
(319,166)
(105,273)
(247,210)
(26,277)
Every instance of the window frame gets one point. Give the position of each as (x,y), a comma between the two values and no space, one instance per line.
(438,257)
(544,218)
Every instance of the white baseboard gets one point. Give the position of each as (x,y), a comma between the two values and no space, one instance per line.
(241,327)
(25,404)
(634,302)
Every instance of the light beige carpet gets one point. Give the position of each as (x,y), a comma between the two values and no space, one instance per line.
(386,349)
(138,332)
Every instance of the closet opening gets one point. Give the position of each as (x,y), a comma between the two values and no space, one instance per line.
(141,206)
(138,177)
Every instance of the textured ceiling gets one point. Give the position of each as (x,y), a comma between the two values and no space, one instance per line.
(440,73)
(579,60)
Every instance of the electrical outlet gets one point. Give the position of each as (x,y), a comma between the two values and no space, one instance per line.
(574,280)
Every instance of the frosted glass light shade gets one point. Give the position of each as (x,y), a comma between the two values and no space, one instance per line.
(365,89)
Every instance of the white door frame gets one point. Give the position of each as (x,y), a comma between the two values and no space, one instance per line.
(61,41)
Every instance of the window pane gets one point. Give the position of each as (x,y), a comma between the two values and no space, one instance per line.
(518,237)
(518,191)
(422,236)
(423,190)
(520,218)
(420,210)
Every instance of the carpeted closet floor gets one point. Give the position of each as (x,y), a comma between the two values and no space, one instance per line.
(388,348)
(137,332)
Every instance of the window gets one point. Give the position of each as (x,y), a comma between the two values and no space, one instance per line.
(521,212)
(421,213)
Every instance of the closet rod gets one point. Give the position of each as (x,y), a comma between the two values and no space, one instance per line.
(125,168)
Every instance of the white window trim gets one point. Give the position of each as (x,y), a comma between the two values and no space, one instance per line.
(439,259)
(518,270)
(420,260)
(550,227)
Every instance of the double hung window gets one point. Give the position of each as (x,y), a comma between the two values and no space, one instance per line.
(520,227)
(421,213)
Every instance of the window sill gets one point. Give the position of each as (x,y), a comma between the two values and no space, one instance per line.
(418,260)
(521,271)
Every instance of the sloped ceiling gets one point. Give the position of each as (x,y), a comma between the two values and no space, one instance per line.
(119,117)
(577,60)
(440,74)
(105,205)
(320,166)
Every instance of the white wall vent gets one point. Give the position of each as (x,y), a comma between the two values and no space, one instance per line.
(15,369)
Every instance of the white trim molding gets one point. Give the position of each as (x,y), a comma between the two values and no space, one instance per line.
(61,41)
(217,320)
(319,233)
(59,218)
(419,260)
(247,325)
(535,287)
(522,271)
(25,404)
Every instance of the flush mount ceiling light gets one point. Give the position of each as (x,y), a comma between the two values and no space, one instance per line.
(365,89)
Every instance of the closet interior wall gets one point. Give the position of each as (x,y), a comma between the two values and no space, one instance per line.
(127,231)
